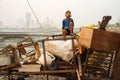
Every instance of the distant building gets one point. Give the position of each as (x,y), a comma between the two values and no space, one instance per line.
(47,22)
(20,24)
(1,24)
(28,19)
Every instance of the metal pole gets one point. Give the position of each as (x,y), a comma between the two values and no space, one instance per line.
(44,53)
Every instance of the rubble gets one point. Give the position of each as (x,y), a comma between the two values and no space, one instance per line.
(9,56)
(28,50)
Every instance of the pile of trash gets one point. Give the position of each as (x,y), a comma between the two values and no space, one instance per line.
(60,48)
(28,51)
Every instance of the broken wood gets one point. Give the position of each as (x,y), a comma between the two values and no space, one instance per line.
(104,22)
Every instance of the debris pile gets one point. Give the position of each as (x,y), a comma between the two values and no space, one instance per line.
(28,52)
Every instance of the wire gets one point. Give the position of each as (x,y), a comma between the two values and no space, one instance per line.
(36,17)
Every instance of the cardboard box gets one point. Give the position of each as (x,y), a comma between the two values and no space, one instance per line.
(100,39)
(30,68)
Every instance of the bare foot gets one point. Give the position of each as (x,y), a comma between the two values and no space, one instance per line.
(72,35)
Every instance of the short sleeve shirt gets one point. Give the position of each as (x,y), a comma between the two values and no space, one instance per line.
(65,23)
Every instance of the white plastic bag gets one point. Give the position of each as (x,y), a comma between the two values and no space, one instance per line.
(61,49)
(49,58)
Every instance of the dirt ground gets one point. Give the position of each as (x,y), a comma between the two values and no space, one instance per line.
(44,77)
(38,77)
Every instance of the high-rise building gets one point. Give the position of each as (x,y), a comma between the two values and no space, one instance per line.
(47,22)
(1,24)
(28,19)
(119,20)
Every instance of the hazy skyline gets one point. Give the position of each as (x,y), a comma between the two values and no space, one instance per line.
(84,12)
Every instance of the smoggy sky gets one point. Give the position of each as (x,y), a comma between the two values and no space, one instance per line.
(84,12)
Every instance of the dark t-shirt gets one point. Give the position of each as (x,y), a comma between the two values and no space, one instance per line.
(66,23)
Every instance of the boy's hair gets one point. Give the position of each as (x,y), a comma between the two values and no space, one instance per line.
(67,12)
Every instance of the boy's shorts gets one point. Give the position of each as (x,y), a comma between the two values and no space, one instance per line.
(67,31)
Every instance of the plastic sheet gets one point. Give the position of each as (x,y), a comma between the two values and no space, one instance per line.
(61,49)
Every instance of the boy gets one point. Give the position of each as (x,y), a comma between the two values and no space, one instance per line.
(67,25)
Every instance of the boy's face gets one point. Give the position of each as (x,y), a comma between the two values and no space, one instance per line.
(67,14)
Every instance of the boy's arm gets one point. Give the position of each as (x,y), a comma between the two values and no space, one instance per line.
(63,31)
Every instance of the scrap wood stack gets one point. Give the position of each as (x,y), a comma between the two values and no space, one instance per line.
(28,49)
(102,47)
(27,53)
(8,58)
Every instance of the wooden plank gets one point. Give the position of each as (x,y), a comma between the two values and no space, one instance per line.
(78,75)
(51,72)
(86,37)
(104,40)
(79,65)
(37,50)
(30,68)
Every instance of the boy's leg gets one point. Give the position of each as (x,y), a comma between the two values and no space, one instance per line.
(71,28)
(64,33)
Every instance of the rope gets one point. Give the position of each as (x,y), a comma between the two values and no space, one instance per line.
(36,17)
